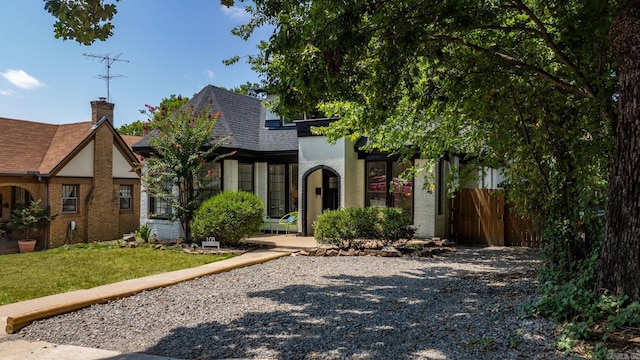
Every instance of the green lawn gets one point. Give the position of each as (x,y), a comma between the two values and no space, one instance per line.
(83,266)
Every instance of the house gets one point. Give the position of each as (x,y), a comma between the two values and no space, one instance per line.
(291,169)
(265,160)
(85,172)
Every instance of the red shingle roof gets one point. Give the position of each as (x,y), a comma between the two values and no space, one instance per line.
(27,146)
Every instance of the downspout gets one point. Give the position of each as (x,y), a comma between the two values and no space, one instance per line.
(86,210)
(46,205)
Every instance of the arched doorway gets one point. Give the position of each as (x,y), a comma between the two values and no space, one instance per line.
(322,192)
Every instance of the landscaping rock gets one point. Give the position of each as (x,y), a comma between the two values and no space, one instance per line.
(332,252)
(389,251)
(129,237)
(371,252)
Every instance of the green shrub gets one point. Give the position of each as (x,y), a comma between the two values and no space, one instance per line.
(329,228)
(144,232)
(229,216)
(394,225)
(364,222)
(342,227)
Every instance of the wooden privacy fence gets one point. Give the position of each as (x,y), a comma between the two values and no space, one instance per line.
(482,217)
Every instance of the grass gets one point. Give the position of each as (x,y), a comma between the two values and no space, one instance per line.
(83,266)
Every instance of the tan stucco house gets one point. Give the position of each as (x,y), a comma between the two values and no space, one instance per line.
(85,172)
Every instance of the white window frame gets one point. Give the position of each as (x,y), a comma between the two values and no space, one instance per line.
(126,193)
(69,195)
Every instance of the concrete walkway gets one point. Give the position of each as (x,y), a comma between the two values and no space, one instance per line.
(15,316)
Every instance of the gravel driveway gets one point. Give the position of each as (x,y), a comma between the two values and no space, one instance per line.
(463,305)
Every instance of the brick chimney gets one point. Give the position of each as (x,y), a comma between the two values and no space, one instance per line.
(100,108)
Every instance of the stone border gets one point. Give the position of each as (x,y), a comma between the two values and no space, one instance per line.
(412,248)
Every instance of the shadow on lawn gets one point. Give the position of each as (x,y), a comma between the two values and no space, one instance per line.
(409,316)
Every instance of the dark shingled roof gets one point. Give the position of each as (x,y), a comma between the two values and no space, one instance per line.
(243,118)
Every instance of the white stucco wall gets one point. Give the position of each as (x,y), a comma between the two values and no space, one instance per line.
(354,178)
(424,202)
(121,167)
(81,165)
(315,151)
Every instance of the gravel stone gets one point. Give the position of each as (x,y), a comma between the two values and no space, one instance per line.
(463,305)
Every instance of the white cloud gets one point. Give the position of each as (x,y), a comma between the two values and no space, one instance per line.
(210,74)
(235,12)
(21,79)
(6,92)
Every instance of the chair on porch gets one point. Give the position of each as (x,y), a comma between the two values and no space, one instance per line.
(267,224)
(290,219)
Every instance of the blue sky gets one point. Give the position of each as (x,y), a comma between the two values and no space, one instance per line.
(172,47)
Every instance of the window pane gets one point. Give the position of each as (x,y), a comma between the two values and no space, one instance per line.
(125,197)
(276,191)
(245,177)
(158,208)
(293,187)
(69,205)
(402,189)
(376,183)
(69,198)
(211,180)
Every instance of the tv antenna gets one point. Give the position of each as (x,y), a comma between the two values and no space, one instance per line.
(108,60)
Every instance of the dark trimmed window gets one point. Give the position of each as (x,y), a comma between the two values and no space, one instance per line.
(386,188)
(160,208)
(210,180)
(245,177)
(282,189)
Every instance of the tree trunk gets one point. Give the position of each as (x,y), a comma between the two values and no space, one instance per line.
(620,259)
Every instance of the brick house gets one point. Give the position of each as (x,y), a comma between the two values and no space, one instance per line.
(291,169)
(84,171)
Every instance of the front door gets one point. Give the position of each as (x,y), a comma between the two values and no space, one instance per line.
(330,194)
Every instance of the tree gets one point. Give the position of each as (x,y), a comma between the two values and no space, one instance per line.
(84,21)
(182,143)
(620,266)
(249,89)
(171,104)
(527,85)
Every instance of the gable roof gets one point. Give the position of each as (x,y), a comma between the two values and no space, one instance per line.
(37,147)
(243,119)
(30,147)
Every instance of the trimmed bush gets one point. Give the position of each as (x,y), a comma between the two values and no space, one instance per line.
(331,228)
(229,216)
(342,227)
(394,225)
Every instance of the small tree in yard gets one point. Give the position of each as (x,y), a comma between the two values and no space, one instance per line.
(182,143)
